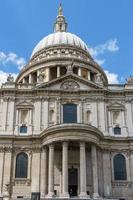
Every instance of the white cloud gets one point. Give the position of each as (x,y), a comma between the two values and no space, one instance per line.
(109,46)
(100,61)
(12,58)
(112,77)
(4,75)
(112,45)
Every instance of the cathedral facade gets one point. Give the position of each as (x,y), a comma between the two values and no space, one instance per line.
(64,131)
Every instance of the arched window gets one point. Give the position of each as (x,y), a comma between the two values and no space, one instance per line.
(70,113)
(120,167)
(21,165)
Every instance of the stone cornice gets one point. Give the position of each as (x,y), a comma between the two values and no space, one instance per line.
(6,93)
(35,142)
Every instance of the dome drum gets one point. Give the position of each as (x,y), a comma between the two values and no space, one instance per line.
(58,64)
(44,73)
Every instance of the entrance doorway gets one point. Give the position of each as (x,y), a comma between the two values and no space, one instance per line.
(73,181)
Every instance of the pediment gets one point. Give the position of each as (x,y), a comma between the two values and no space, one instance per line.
(70,82)
(24,104)
(116,106)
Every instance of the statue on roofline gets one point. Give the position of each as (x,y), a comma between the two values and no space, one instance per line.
(10,78)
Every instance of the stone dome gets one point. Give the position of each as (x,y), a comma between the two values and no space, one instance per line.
(60,38)
(56,53)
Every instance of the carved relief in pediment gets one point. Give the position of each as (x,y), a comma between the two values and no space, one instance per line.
(70,85)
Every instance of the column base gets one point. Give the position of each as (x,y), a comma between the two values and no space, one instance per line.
(96,196)
(50,195)
(65,195)
(83,195)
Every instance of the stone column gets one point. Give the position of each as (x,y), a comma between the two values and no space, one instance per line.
(107,174)
(51,171)
(24,81)
(65,170)
(44,172)
(89,76)
(94,171)
(48,74)
(30,79)
(79,72)
(38,72)
(83,193)
(58,71)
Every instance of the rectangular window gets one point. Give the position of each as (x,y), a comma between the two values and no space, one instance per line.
(69,113)
(117,131)
(23,129)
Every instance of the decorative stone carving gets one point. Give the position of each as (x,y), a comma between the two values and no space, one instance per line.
(122,184)
(5,149)
(70,85)
(6,192)
(24,181)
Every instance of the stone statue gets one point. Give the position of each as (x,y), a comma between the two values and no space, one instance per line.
(70,68)
(10,78)
(41,76)
(98,77)
(129,79)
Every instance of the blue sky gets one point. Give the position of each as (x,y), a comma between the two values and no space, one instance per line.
(105,25)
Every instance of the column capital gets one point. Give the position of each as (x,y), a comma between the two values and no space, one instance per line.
(44,149)
(51,146)
(82,144)
(65,143)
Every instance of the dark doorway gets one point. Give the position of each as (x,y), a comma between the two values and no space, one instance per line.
(35,196)
(73,181)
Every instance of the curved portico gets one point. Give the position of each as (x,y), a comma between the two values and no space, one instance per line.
(70,150)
